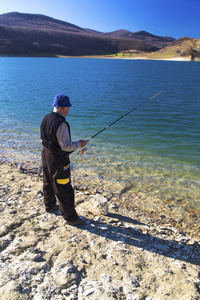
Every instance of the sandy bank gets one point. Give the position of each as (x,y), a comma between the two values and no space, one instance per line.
(188,58)
(167,59)
(133,57)
(124,255)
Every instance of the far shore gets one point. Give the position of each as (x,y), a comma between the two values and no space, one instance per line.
(114,56)
(131,57)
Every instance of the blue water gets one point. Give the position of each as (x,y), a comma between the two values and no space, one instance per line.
(158,144)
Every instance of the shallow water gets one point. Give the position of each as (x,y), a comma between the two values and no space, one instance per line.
(156,147)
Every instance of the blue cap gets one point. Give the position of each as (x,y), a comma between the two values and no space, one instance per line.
(61,100)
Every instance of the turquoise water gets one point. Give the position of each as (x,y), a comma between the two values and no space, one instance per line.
(158,144)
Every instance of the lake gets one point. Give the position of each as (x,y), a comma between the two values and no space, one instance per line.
(157,145)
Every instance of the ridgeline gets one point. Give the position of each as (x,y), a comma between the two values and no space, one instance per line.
(33,34)
(24,34)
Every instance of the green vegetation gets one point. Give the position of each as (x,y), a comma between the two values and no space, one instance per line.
(123,54)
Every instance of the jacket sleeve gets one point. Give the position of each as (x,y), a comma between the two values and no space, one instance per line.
(63,138)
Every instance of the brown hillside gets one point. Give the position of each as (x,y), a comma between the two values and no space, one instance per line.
(144,36)
(29,34)
(182,49)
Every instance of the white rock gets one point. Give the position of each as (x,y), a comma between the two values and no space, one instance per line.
(33,256)
(64,292)
(132,297)
(92,243)
(73,239)
(89,292)
(73,287)
(104,227)
(97,219)
(100,204)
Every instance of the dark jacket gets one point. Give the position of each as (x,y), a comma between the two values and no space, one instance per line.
(48,128)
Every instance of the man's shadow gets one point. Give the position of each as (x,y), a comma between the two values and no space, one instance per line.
(133,236)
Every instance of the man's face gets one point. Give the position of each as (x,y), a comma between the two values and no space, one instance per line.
(65,110)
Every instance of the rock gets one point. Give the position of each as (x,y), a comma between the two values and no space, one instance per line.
(65,292)
(63,273)
(132,296)
(100,204)
(134,228)
(93,243)
(89,292)
(26,290)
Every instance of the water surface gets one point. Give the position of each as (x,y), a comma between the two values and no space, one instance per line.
(156,146)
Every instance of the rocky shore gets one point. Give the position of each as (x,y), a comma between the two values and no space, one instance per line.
(126,253)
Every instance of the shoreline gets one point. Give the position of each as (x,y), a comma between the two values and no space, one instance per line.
(162,209)
(186,59)
(127,254)
(131,57)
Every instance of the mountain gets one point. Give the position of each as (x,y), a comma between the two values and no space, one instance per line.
(157,41)
(35,34)
(34,21)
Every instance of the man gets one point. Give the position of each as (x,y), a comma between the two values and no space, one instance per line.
(56,140)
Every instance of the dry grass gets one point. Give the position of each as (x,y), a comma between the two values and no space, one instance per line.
(181,49)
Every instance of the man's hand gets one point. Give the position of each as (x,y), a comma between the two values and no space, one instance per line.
(83,143)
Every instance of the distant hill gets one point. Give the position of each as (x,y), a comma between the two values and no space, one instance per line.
(36,21)
(157,41)
(34,34)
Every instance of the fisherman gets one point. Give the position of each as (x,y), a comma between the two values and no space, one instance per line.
(56,140)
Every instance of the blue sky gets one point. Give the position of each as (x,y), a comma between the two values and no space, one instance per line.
(175,18)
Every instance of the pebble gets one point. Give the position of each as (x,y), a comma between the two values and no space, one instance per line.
(65,292)
(134,228)
(98,219)
(26,290)
(73,287)
(132,297)
(93,243)
(73,240)
(89,292)
(104,227)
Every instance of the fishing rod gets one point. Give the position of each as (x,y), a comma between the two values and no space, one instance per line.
(108,126)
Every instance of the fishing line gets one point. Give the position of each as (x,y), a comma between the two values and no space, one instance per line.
(108,126)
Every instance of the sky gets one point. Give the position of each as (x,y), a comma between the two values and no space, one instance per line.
(174,18)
